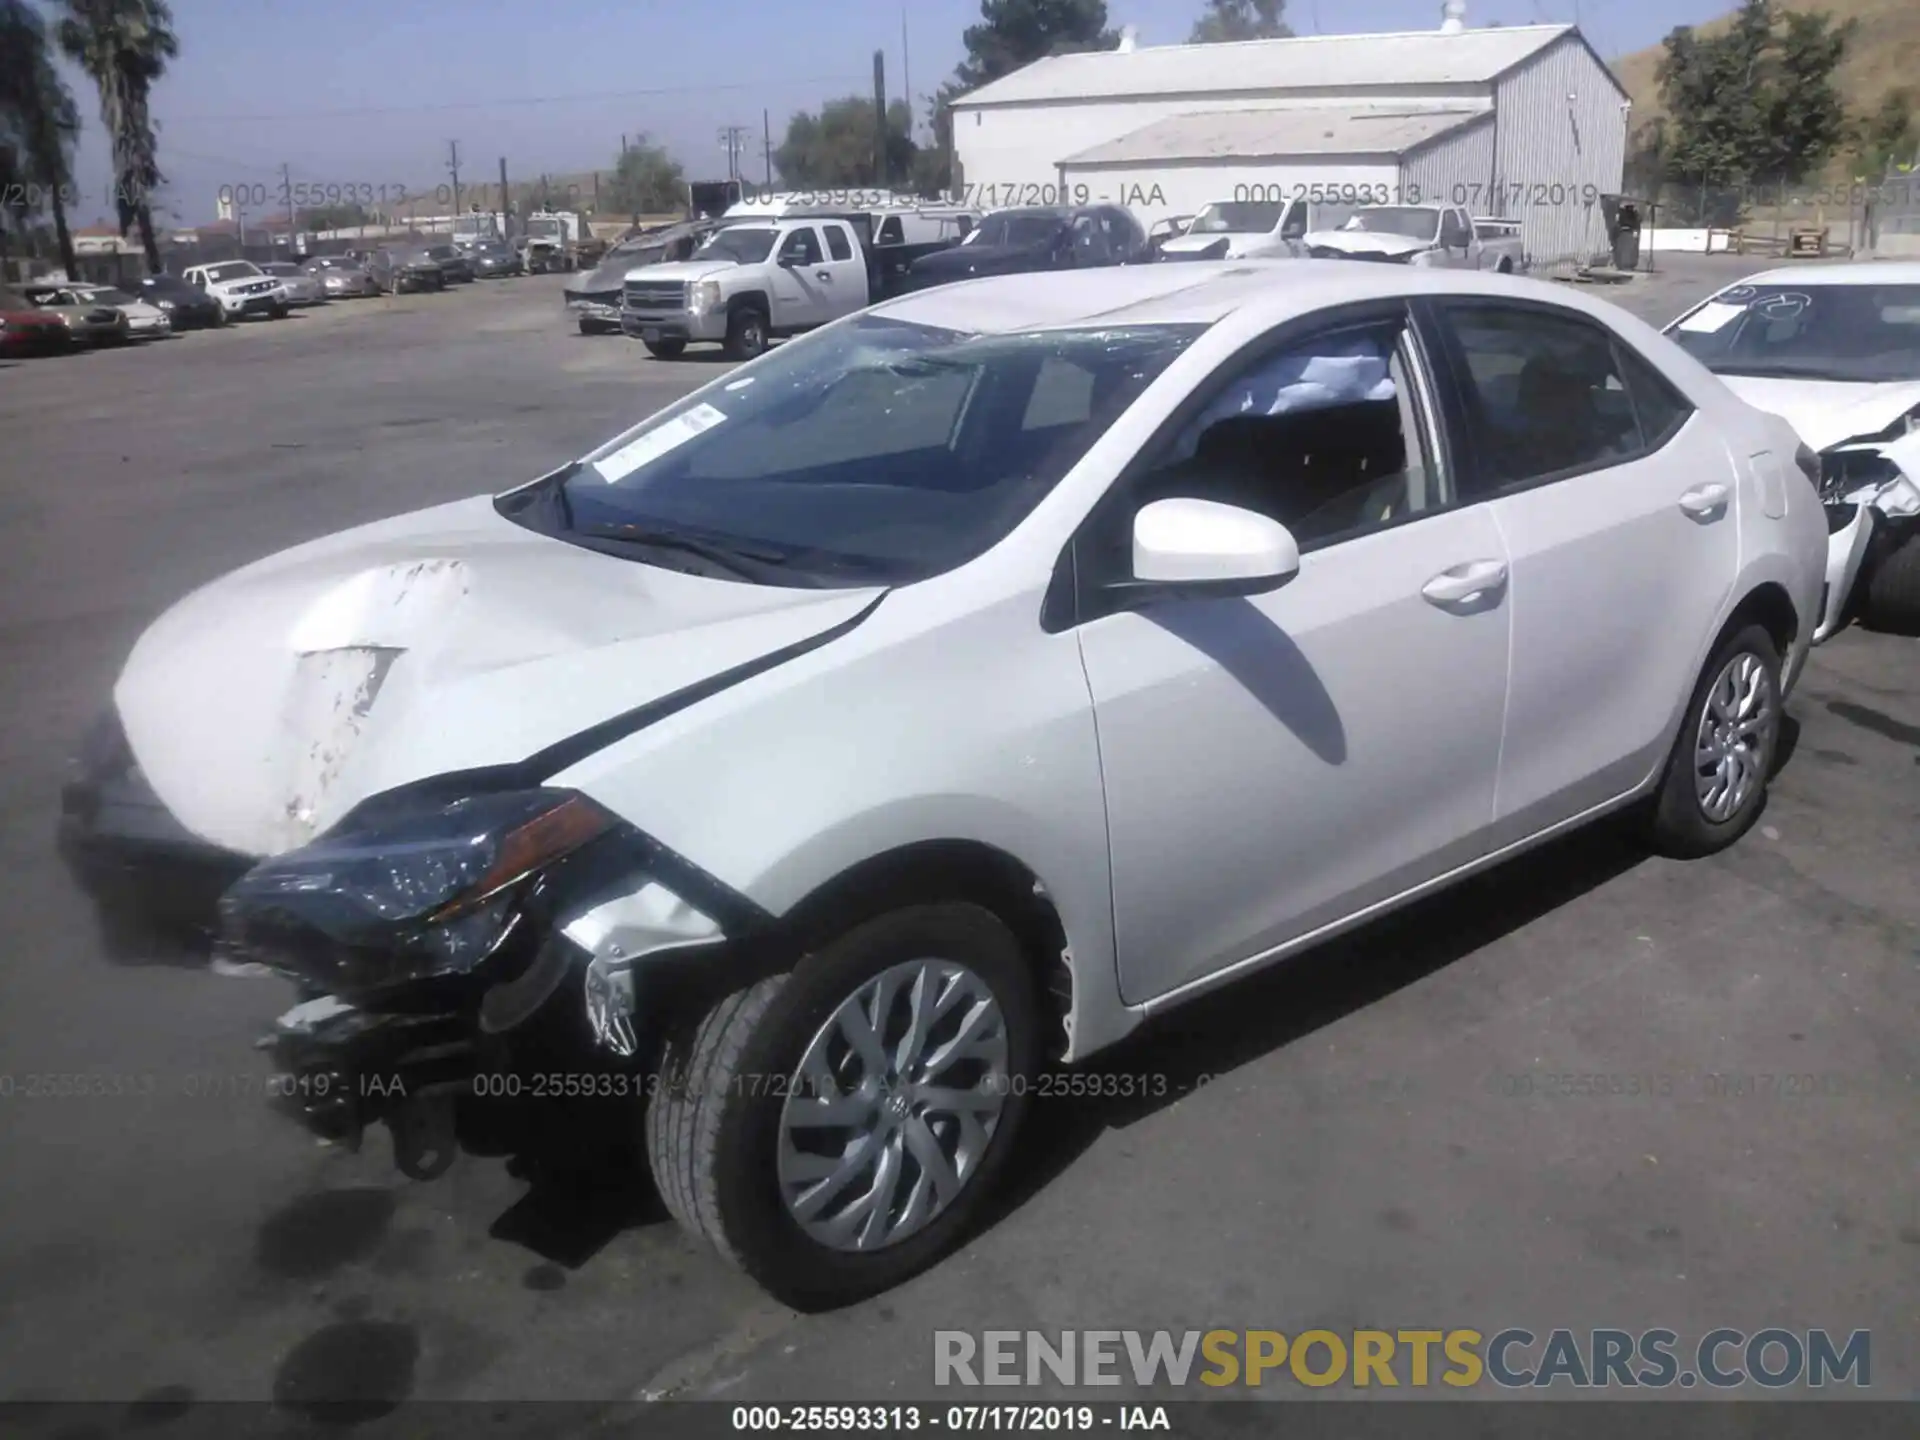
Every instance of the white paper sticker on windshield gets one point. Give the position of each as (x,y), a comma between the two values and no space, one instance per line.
(1712,318)
(657,442)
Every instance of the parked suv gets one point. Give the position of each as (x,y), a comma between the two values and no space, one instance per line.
(241,287)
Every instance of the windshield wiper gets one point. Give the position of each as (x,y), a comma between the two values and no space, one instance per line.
(745,561)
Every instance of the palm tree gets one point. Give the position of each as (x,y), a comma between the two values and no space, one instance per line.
(38,123)
(124,46)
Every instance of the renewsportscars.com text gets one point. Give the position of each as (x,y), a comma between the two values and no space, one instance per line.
(1460,1359)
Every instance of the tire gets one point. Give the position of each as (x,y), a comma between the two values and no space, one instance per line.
(665,349)
(715,1136)
(591,327)
(1682,824)
(278,312)
(1892,600)
(746,333)
(1505,267)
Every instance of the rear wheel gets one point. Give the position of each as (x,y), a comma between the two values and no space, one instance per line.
(666,349)
(1892,599)
(746,333)
(832,1132)
(1716,780)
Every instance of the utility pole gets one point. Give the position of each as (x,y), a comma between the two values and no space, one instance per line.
(880,118)
(766,146)
(906,71)
(733,137)
(453,166)
(506,203)
(286,180)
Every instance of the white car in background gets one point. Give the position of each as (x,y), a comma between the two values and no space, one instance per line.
(942,695)
(241,287)
(1835,349)
(144,321)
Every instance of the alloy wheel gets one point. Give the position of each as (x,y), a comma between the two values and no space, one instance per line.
(1733,743)
(893,1105)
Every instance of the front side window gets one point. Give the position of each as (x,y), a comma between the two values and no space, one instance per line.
(1543,393)
(872,452)
(1323,436)
(1859,333)
(802,247)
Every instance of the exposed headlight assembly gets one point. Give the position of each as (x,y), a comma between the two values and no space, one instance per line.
(394,893)
(703,296)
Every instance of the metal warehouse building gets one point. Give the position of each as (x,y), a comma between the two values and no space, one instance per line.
(1524,122)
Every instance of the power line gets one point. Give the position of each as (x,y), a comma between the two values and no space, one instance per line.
(573,99)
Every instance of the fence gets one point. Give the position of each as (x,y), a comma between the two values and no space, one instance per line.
(1853,217)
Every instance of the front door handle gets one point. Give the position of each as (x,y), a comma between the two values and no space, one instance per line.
(1465,582)
(1704,500)
(823,275)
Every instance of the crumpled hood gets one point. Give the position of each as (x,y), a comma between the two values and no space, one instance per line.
(1239,245)
(1827,412)
(1368,242)
(265,705)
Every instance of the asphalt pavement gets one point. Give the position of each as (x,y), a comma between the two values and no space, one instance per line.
(1387,1133)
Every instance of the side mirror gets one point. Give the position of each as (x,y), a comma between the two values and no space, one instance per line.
(1204,548)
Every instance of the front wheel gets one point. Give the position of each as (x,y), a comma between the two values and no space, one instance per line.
(746,334)
(833,1131)
(1716,781)
(666,349)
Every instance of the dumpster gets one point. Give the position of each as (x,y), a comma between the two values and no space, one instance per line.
(1626,238)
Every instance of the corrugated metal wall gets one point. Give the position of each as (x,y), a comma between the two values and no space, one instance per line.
(1562,138)
(1456,169)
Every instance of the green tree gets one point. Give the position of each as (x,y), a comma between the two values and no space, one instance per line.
(646,181)
(124,46)
(1011,34)
(835,147)
(1240,20)
(38,126)
(1889,138)
(1755,105)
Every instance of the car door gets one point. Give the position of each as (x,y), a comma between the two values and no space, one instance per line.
(1276,764)
(844,288)
(1619,508)
(799,280)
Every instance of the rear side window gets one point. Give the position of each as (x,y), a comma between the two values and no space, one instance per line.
(890,233)
(837,245)
(1661,408)
(1543,395)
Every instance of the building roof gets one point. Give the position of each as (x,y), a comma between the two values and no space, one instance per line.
(1309,62)
(1276,134)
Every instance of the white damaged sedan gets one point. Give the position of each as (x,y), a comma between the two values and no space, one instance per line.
(940,696)
(1836,350)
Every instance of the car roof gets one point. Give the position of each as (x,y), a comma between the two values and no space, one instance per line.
(1201,293)
(1843,272)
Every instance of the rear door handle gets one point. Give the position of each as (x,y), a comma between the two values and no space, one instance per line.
(1465,582)
(1704,500)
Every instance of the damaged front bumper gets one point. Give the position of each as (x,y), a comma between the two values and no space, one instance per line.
(562,941)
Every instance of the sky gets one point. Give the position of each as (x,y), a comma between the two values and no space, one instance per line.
(372,93)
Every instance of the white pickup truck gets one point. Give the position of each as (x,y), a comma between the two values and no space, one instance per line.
(241,287)
(1243,229)
(1442,236)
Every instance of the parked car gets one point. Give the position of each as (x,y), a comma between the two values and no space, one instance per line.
(544,255)
(189,308)
(400,270)
(342,276)
(493,259)
(1438,235)
(594,299)
(241,287)
(1011,242)
(1197,618)
(88,320)
(1502,242)
(1835,349)
(26,329)
(453,263)
(1241,229)
(303,286)
(145,321)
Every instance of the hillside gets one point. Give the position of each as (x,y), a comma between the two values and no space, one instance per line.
(1883,55)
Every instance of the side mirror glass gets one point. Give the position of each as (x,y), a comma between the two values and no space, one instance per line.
(1206,548)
